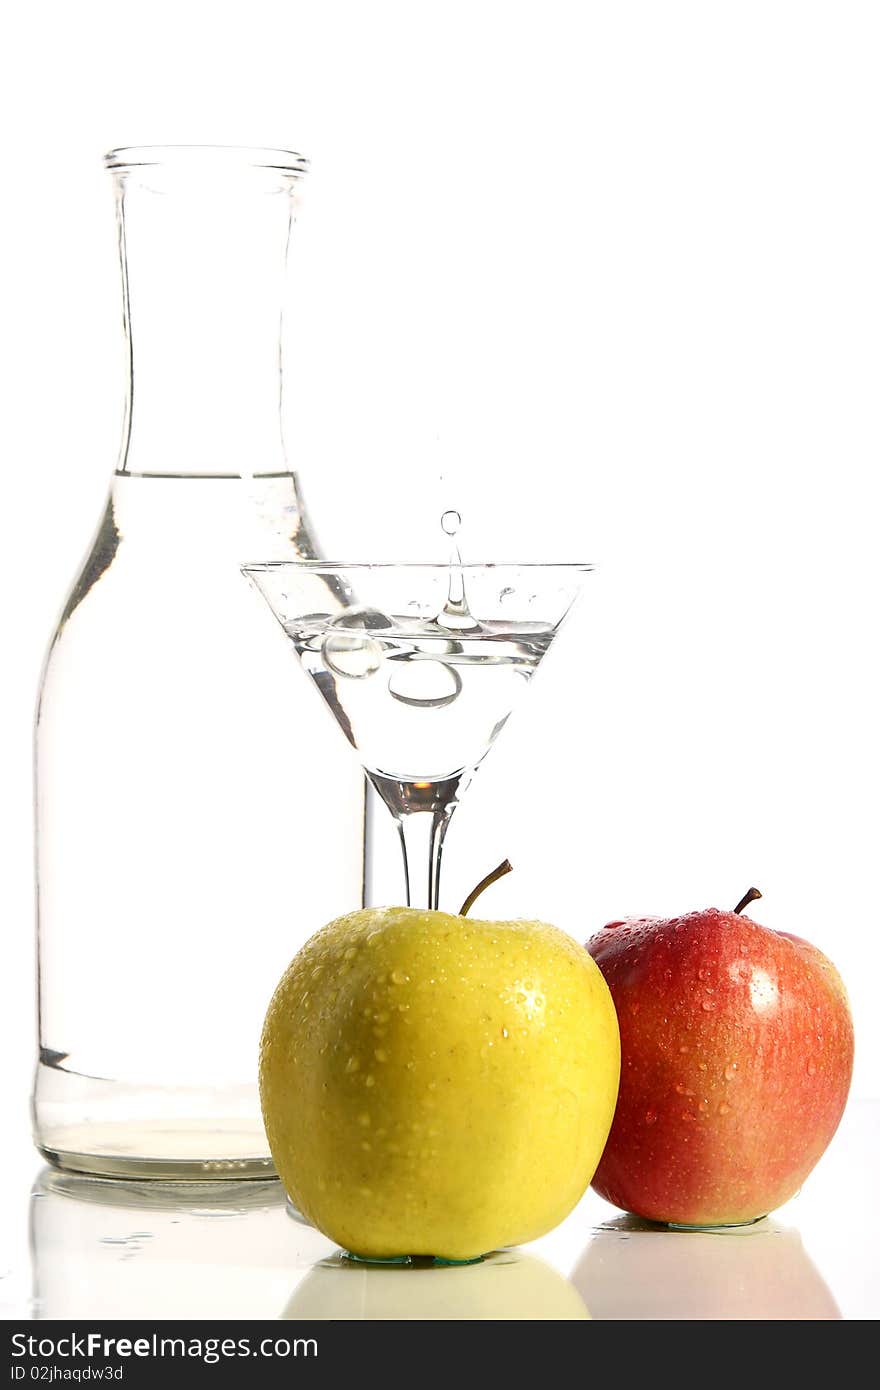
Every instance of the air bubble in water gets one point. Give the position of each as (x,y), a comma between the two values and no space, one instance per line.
(424,684)
(348,649)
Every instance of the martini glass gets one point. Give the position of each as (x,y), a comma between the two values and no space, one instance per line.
(421,665)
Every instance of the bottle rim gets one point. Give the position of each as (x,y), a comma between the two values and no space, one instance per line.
(182,156)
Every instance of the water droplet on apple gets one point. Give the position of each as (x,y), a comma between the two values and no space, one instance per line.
(708,1005)
(683,1048)
(398,977)
(650,1117)
(811,1067)
(724,1108)
(730,1071)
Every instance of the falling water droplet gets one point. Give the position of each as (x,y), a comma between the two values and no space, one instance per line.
(455,612)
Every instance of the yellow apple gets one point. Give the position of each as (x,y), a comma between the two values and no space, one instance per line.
(438,1085)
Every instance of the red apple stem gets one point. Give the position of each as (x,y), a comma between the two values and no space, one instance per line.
(505,867)
(747,898)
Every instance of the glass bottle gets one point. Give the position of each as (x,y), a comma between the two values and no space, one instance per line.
(190,835)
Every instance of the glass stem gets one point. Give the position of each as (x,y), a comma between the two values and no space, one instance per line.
(421,838)
(422,812)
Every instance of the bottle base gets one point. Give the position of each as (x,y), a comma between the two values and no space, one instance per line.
(106,1165)
(111,1129)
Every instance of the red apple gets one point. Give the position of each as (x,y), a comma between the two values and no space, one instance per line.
(736,1059)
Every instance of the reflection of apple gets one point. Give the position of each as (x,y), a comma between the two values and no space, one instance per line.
(631,1270)
(505,1287)
(737,1051)
(436,1085)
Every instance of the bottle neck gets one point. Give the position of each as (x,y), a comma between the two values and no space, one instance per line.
(203,272)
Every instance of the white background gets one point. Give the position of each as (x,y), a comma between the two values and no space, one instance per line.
(606,277)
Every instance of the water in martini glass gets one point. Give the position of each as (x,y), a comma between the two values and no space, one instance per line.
(421,666)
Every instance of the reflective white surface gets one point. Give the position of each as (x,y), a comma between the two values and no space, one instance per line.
(76,1248)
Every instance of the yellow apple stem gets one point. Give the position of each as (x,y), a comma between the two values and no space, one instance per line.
(749,897)
(505,867)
